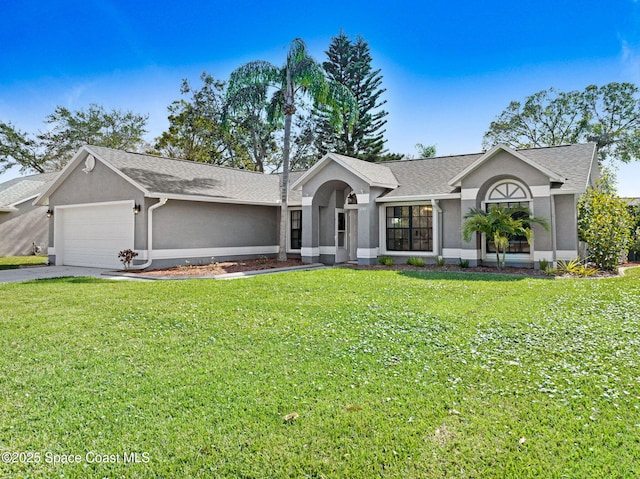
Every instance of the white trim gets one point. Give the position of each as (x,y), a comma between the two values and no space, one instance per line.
(8,209)
(444,196)
(101,203)
(213,252)
(367,252)
(363,198)
(212,199)
(469,193)
(543,191)
(555,192)
(540,255)
(382,229)
(418,254)
(307,200)
(310,252)
(327,250)
(509,258)
(566,254)
(473,254)
(518,183)
(451,252)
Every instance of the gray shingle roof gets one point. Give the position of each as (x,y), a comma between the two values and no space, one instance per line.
(430,176)
(427,176)
(569,161)
(170,177)
(18,190)
(375,173)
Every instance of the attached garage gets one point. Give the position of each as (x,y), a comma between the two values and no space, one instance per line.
(93,234)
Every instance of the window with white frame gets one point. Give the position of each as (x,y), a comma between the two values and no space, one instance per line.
(509,194)
(409,228)
(295,229)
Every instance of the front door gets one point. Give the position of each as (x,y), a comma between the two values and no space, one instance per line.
(342,253)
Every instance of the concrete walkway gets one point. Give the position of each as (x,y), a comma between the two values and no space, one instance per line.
(43,272)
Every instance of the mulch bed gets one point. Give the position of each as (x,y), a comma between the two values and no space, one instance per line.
(223,267)
(271,263)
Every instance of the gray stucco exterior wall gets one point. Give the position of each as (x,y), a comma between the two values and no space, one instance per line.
(20,229)
(189,224)
(451,221)
(566,227)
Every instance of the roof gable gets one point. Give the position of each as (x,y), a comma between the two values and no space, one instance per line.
(372,173)
(158,177)
(456,181)
(20,190)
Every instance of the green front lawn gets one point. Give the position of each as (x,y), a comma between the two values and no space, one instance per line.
(14,262)
(392,375)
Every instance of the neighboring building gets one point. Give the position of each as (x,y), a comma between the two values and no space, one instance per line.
(23,226)
(342,209)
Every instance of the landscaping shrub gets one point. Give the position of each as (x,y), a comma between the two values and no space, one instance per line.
(386,260)
(415,261)
(604,223)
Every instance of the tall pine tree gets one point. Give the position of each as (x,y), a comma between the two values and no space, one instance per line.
(349,63)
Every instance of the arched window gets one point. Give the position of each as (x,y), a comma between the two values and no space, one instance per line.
(510,194)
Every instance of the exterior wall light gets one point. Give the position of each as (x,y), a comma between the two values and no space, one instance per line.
(136,209)
(49,213)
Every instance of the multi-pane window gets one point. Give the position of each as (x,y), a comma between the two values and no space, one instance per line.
(517,244)
(296,229)
(504,195)
(409,228)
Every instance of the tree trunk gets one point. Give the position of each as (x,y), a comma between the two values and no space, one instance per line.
(284,190)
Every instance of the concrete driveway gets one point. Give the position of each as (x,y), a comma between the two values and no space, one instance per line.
(43,272)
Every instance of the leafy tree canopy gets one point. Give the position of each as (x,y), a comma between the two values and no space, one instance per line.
(68,131)
(608,115)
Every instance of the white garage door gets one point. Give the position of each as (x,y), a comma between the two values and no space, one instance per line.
(92,235)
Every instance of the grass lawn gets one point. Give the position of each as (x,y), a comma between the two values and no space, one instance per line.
(14,262)
(391,375)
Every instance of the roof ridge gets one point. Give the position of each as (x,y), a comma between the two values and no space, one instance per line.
(148,155)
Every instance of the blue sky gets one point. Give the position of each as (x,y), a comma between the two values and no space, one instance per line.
(449,67)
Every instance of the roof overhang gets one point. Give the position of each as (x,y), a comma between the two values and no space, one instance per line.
(333,158)
(213,199)
(393,199)
(456,181)
(8,209)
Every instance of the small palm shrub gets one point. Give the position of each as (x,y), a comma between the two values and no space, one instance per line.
(440,261)
(575,267)
(415,261)
(463,263)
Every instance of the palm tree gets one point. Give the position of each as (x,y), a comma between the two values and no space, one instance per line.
(300,75)
(500,224)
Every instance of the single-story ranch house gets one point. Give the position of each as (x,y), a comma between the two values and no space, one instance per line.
(340,210)
(24,228)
